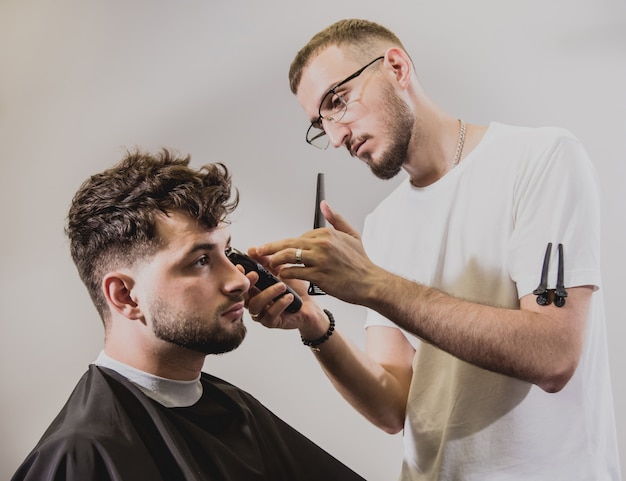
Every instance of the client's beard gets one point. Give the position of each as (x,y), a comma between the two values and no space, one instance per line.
(196,333)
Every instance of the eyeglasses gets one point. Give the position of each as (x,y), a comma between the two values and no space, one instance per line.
(332,108)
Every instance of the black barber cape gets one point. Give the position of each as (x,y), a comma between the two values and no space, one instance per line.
(110,431)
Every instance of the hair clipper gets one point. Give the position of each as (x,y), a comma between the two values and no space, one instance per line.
(266,278)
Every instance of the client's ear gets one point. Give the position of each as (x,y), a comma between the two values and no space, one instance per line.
(117,289)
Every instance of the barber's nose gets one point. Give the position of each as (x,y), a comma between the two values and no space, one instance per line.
(338,133)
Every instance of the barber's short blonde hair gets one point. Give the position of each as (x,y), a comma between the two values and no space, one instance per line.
(362,38)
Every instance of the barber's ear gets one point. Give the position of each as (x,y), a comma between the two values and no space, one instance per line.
(400,65)
(117,289)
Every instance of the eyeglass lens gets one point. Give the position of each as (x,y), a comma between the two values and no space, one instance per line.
(316,136)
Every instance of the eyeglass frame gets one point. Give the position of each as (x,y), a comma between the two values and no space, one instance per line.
(332,91)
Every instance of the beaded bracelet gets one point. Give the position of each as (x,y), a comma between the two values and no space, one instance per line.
(314,345)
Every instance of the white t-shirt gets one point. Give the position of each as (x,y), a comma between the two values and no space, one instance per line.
(480,233)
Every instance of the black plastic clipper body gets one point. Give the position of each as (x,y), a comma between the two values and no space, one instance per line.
(266,278)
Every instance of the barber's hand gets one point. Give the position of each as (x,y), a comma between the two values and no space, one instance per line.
(332,258)
(266,308)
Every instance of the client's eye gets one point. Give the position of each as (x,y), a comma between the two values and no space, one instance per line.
(203,261)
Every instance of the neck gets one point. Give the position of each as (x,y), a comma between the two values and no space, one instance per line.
(154,356)
(437,154)
(434,145)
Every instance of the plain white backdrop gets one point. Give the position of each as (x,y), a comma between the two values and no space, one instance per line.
(82,81)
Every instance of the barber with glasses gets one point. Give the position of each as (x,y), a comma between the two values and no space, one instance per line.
(486,383)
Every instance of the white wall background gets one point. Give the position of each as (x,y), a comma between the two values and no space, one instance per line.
(80,81)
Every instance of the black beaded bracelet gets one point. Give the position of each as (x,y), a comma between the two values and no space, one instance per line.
(321,340)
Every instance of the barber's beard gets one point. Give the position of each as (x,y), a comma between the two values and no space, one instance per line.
(196,333)
(399,121)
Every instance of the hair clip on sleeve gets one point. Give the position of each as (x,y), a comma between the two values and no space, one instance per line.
(560,293)
(543,297)
(542,292)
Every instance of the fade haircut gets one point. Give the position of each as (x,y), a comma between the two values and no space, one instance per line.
(112,217)
(362,38)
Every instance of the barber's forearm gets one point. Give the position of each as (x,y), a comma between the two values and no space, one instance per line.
(541,347)
(367,386)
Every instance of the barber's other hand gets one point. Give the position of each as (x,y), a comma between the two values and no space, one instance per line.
(332,258)
(267,307)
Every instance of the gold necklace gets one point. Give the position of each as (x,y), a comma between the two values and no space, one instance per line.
(459,145)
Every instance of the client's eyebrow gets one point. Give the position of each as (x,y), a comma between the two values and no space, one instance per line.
(206,246)
(200,247)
